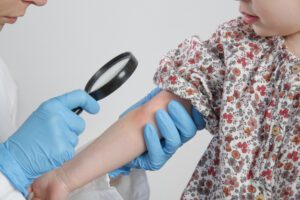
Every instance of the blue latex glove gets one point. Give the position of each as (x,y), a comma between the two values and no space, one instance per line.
(176,127)
(46,140)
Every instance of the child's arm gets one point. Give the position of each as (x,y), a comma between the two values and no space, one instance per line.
(118,145)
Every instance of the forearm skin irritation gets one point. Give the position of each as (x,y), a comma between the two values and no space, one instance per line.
(119,144)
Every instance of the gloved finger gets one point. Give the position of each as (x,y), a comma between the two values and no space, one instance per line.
(155,156)
(140,162)
(168,131)
(64,156)
(72,138)
(182,120)
(153,93)
(75,122)
(152,141)
(79,98)
(198,119)
(121,171)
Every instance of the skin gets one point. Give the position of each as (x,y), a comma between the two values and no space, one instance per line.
(276,18)
(10,10)
(111,150)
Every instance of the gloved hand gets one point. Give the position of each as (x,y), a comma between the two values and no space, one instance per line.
(46,140)
(176,128)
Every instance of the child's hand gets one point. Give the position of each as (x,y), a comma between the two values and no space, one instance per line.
(50,187)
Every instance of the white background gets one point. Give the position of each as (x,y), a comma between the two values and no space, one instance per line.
(56,48)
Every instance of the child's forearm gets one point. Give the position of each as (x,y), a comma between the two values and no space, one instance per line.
(118,145)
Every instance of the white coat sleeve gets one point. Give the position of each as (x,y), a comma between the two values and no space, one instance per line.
(7,191)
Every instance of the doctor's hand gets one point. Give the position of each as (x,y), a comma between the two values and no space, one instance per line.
(46,140)
(176,127)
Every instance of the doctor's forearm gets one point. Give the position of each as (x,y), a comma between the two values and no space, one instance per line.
(118,145)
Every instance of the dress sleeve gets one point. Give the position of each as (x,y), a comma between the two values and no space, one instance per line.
(195,71)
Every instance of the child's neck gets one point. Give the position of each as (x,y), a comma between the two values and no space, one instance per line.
(293,43)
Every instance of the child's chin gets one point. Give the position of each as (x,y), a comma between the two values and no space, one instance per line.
(264,33)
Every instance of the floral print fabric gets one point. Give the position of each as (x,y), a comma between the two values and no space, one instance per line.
(248,89)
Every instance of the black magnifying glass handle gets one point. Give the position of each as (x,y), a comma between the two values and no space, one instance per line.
(77,110)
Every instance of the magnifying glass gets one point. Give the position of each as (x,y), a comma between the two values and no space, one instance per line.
(110,77)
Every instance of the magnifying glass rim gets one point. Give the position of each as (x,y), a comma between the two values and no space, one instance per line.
(116,81)
(131,64)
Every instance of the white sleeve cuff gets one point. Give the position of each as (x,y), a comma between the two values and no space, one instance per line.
(7,191)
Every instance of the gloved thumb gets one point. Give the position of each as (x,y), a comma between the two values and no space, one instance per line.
(118,172)
(79,98)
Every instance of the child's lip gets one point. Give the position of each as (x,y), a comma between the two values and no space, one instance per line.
(248,18)
(244,13)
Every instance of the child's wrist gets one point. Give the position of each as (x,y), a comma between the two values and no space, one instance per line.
(65,179)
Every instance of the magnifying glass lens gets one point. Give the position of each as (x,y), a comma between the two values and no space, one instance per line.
(108,75)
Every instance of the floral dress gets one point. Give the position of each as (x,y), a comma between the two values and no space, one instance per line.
(247,87)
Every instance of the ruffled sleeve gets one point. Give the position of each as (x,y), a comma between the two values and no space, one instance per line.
(195,71)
